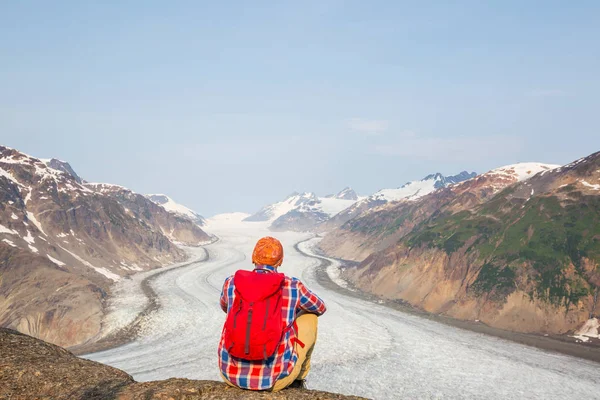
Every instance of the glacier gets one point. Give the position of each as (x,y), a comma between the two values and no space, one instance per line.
(363,348)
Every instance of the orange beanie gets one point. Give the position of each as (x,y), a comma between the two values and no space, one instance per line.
(268,251)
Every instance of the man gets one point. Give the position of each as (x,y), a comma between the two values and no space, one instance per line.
(271,325)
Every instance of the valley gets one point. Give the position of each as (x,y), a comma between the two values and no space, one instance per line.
(364,348)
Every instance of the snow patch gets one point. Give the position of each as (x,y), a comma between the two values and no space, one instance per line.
(595,187)
(29,238)
(35,222)
(28,197)
(11,178)
(4,229)
(100,270)
(522,171)
(33,249)
(13,216)
(591,329)
(410,191)
(10,243)
(55,261)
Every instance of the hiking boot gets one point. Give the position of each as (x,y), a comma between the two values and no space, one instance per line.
(298,384)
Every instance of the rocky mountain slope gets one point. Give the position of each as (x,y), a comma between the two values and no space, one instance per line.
(410,191)
(63,242)
(374,226)
(521,255)
(33,369)
(304,211)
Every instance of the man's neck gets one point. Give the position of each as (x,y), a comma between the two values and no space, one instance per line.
(266,268)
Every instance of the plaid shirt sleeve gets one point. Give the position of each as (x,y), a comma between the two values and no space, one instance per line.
(310,302)
(225,294)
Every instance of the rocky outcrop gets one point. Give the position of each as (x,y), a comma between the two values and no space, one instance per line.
(522,257)
(63,243)
(33,369)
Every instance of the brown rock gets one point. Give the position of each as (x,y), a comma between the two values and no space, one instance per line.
(33,369)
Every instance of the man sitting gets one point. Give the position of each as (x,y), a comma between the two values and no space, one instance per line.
(271,325)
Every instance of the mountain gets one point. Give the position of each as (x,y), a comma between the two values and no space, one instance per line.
(64,167)
(64,242)
(347,194)
(375,226)
(408,192)
(417,189)
(517,248)
(178,227)
(303,211)
(177,209)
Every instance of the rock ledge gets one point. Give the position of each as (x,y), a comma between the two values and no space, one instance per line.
(33,369)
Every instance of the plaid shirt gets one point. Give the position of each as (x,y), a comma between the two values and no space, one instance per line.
(262,374)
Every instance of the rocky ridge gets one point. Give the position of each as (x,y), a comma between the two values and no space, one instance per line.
(31,368)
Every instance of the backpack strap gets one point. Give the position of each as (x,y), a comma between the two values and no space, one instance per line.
(295,339)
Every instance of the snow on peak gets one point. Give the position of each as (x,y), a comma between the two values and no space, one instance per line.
(522,171)
(104,187)
(170,205)
(347,194)
(307,202)
(417,189)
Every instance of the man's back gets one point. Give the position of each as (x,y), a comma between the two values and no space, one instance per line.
(262,374)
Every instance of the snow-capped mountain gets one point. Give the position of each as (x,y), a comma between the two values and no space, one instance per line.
(301,211)
(516,173)
(347,194)
(416,189)
(525,231)
(63,242)
(175,208)
(410,191)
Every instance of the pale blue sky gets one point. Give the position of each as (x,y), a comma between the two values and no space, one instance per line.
(227,106)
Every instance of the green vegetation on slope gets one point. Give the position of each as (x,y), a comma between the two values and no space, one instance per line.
(534,241)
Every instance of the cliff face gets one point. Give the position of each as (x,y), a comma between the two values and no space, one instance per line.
(63,243)
(32,368)
(527,259)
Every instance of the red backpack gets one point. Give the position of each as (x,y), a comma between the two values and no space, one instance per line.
(254,324)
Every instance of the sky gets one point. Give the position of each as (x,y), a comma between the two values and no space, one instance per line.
(231,105)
